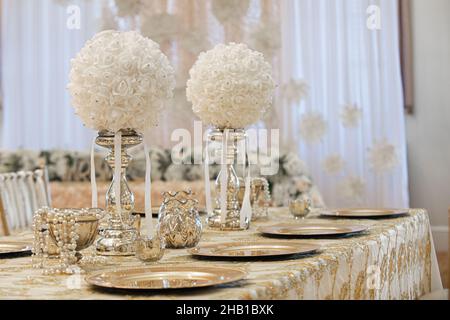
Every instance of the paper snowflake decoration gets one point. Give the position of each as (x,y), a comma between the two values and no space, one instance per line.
(333,164)
(294,91)
(351,115)
(383,156)
(312,127)
(352,188)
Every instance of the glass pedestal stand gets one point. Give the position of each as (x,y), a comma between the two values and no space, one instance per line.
(118,237)
(232,219)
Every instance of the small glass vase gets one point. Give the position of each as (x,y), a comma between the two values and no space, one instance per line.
(150,249)
(232,215)
(300,208)
(179,222)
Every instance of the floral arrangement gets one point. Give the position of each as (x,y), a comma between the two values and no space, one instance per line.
(120,80)
(230,86)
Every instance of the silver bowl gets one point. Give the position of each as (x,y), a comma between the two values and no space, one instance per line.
(87,222)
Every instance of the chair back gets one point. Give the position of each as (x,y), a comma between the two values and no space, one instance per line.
(21,194)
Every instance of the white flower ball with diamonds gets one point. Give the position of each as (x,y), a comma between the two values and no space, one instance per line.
(120,80)
(230,86)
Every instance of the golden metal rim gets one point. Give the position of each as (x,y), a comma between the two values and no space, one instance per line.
(225,250)
(312,230)
(364,212)
(11,247)
(219,275)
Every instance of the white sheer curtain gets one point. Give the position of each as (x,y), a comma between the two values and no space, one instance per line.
(328,44)
(37,47)
(349,130)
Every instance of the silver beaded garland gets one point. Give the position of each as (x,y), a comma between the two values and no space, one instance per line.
(261,200)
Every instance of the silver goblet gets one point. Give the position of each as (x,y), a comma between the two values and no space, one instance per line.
(85,229)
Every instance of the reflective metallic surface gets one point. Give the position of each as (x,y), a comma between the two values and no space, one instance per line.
(310,229)
(150,250)
(118,236)
(253,249)
(165,277)
(300,208)
(179,222)
(12,247)
(232,220)
(364,212)
(87,222)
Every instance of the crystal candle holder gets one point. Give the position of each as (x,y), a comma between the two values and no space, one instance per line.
(150,249)
(300,208)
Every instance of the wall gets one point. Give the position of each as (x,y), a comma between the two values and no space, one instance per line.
(428,129)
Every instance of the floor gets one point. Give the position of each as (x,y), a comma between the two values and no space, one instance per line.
(443,267)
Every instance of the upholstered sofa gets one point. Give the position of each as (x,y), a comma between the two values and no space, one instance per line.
(69,174)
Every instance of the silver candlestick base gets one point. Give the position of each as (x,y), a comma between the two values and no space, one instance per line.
(232,215)
(119,236)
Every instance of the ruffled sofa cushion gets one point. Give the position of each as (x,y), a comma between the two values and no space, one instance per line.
(78,194)
(69,172)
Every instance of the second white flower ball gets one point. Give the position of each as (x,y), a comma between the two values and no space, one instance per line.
(120,80)
(230,86)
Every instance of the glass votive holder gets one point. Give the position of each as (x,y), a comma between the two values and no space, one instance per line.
(300,208)
(150,249)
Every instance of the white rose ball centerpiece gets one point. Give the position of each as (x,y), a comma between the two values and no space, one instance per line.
(119,83)
(230,88)
(120,80)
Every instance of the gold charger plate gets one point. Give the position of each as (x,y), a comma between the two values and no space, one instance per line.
(253,249)
(164,277)
(364,213)
(13,247)
(313,230)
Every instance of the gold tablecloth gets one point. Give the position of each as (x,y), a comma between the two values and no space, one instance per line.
(390,261)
